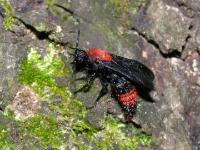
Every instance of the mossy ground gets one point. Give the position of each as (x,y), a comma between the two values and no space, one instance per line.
(5,143)
(60,123)
(57,11)
(8,17)
(65,120)
(121,9)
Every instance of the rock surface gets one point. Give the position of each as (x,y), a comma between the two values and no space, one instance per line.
(163,34)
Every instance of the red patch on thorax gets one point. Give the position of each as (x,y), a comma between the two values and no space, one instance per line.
(128,99)
(98,54)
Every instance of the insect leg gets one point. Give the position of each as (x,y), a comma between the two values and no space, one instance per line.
(89,79)
(103,91)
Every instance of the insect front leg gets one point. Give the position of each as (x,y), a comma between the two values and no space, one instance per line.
(89,79)
(104,90)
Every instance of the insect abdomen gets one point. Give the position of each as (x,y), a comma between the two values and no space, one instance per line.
(128,99)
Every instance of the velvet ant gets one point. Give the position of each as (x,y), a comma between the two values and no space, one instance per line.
(126,77)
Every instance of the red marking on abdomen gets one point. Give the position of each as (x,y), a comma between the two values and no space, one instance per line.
(98,54)
(129,98)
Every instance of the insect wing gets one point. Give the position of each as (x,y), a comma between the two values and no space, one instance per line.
(133,70)
(134,66)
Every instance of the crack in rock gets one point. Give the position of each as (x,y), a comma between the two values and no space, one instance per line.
(41,35)
(65,9)
(174,53)
(171,37)
(183,5)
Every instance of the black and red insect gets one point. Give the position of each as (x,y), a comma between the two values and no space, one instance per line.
(126,77)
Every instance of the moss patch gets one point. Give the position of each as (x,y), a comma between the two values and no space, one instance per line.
(113,129)
(46,129)
(39,73)
(41,27)
(58,11)
(135,4)
(4,140)
(121,9)
(8,20)
(64,126)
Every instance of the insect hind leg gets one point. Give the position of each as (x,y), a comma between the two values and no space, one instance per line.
(104,89)
(89,79)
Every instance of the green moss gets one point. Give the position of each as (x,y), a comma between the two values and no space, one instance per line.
(120,11)
(39,73)
(114,39)
(50,3)
(4,140)
(124,5)
(113,135)
(46,129)
(66,114)
(8,20)
(41,27)
(118,5)
(58,11)
(135,4)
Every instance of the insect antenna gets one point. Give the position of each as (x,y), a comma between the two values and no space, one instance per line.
(77,42)
(77,39)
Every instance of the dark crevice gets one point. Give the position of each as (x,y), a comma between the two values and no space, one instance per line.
(136,125)
(2,108)
(2,11)
(155,44)
(41,35)
(187,38)
(73,13)
(190,27)
(174,53)
(198,52)
(64,8)
(182,4)
(185,58)
(186,41)
(151,41)
(186,7)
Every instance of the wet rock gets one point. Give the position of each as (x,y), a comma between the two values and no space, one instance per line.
(10,54)
(192,4)
(158,29)
(193,44)
(26,5)
(95,117)
(163,25)
(167,123)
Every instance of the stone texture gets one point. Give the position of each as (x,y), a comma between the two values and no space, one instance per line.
(163,25)
(192,4)
(151,36)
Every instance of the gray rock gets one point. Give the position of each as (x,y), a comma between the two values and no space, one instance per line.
(192,4)
(163,25)
(154,33)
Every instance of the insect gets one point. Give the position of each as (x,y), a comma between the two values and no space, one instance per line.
(125,76)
